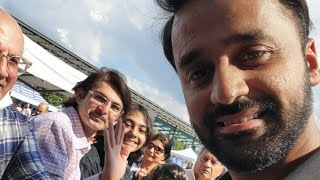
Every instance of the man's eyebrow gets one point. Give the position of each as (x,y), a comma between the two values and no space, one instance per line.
(247,37)
(187,58)
(135,123)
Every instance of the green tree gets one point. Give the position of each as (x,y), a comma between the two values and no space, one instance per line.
(179,145)
(54,98)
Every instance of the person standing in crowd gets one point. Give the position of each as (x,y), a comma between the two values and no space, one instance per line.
(98,103)
(246,69)
(138,131)
(155,153)
(26,110)
(42,108)
(206,167)
(19,153)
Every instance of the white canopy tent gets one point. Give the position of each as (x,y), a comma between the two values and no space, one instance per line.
(186,154)
(49,68)
(26,94)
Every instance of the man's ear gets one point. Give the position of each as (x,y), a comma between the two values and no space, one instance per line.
(313,64)
(80,94)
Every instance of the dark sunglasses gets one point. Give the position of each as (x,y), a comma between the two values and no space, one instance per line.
(157,149)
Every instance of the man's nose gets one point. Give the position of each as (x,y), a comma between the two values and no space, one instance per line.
(228,84)
(3,67)
(106,108)
(207,163)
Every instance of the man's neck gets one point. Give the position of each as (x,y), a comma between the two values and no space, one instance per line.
(307,145)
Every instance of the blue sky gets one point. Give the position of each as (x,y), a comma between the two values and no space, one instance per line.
(121,34)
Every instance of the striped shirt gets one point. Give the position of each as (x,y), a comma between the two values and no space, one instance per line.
(62,142)
(19,153)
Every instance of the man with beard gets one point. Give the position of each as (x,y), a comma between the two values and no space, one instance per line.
(19,153)
(246,68)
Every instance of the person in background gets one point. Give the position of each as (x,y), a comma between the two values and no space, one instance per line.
(155,153)
(206,167)
(137,133)
(42,108)
(99,100)
(167,171)
(247,69)
(19,153)
(26,110)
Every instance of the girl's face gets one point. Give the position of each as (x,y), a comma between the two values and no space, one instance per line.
(154,151)
(135,131)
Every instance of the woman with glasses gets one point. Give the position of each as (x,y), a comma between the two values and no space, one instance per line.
(99,102)
(155,153)
(137,133)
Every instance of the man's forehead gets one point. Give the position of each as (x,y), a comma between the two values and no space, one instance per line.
(10,33)
(220,19)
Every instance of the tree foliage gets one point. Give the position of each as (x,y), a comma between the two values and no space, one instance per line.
(54,98)
(179,145)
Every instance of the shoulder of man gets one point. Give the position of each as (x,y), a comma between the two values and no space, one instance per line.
(23,159)
(226,176)
(50,118)
(190,174)
(310,169)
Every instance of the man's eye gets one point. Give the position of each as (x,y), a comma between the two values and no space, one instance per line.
(116,107)
(198,74)
(99,98)
(253,55)
(14,60)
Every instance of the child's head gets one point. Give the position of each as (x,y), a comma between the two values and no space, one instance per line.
(167,172)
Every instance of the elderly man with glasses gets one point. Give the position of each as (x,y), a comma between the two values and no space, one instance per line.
(19,153)
(103,97)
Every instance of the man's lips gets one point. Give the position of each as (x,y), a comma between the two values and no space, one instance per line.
(239,117)
(205,171)
(241,121)
(96,117)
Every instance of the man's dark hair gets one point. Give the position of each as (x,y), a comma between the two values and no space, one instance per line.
(167,171)
(296,9)
(110,76)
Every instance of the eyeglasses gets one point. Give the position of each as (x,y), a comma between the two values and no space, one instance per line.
(115,108)
(157,149)
(16,65)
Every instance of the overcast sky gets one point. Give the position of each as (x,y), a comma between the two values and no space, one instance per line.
(121,34)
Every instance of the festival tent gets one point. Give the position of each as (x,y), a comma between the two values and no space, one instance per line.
(48,71)
(186,154)
(27,94)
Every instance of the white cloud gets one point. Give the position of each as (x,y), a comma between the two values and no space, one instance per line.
(63,36)
(163,99)
(99,10)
